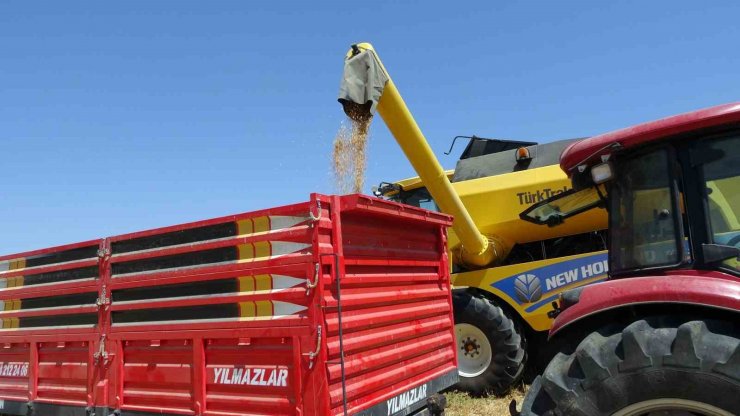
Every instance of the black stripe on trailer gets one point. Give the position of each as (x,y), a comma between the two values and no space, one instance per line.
(74,299)
(60,276)
(208,287)
(184,313)
(74,254)
(196,258)
(192,235)
(58,320)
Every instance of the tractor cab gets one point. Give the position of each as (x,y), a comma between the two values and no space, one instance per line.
(661,334)
(409,191)
(412,191)
(672,204)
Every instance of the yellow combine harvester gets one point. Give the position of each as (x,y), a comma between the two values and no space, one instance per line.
(507,272)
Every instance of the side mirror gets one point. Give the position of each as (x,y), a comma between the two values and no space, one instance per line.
(714,253)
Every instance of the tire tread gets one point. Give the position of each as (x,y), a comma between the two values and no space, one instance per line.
(595,373)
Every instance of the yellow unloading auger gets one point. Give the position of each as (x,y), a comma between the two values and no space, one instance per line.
(365,87)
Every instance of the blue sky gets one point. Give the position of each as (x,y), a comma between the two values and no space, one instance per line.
(121,116)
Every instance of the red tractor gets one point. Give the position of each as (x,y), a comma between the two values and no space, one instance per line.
(662,335)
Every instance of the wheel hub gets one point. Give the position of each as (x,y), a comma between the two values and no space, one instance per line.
(671,407)
(470,347)
(475,351)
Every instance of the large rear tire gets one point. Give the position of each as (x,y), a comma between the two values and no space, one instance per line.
(491,349)
(655,366)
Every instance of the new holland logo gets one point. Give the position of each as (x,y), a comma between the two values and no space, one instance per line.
(528,288)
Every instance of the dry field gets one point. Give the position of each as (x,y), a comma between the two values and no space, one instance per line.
(461,404)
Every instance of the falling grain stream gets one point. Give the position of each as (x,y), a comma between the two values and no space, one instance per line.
(348,157)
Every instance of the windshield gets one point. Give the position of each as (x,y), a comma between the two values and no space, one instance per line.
(644,222)
(722,180)
(418,197)
(556,209)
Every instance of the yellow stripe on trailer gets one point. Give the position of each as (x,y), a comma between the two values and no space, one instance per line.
(12,265)
(255,309)
(262,250)
(263,282)
(253,225)
(8,306)
(17,264)
(254,251)
(265,308)
(246,284)
(246,251)
(247,309)
(262,308)
(255,283)
(267,223)
(261,224)
(11,305)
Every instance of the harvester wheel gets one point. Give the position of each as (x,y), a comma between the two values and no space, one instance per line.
(491,349)
(654,366)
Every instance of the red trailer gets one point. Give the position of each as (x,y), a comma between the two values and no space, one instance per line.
(338,305)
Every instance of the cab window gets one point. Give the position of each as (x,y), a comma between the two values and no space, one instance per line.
(419,198)
(644,221)
(722,185)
